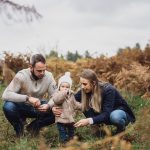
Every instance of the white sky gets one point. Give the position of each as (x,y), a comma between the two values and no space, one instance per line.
(99,26)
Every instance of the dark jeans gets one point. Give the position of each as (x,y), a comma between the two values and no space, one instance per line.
(16,113)
(66,131)
(118,118)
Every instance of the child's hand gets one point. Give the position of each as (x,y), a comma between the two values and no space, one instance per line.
(69,92)
(57,111)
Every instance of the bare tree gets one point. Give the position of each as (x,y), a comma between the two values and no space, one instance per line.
(17,12)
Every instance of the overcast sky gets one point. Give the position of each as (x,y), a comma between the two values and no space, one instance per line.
(99,26)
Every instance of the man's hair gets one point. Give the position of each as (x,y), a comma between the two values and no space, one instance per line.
(37,58)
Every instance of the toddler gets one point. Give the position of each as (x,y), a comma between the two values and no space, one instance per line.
(64,98)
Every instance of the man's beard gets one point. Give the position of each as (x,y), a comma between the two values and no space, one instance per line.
(34,76)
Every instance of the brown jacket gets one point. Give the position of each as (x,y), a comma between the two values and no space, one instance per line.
(68,104)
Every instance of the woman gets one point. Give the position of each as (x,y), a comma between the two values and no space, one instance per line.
(102,103)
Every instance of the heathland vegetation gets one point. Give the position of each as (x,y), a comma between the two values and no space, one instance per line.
(128,70)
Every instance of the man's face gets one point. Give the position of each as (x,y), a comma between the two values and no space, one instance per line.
(86,85)
(38,70)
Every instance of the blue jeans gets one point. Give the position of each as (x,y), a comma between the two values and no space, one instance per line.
(118,118)
(66,131)
(16,113)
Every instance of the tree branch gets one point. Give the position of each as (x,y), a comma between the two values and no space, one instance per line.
(7,6)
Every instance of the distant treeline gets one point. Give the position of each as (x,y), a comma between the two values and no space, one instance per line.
(74,56)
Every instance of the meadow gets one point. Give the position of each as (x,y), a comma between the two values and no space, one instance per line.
(136,136)
(129,71)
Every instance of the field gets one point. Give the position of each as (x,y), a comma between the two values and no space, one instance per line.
(128,71)
(136,136)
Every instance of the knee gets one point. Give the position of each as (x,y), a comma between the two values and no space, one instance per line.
(117,119)
(9,106)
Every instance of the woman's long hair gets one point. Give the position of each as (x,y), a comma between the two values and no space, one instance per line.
(95,100)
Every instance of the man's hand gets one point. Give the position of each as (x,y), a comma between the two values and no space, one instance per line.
(57,111)
(82,122)
(43,107)
(34,101)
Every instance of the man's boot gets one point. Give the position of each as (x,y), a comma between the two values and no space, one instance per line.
(19,128)
(33,128)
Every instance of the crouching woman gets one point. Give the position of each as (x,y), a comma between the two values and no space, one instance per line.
(102,103)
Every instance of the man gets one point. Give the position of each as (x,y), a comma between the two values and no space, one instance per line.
(25,94)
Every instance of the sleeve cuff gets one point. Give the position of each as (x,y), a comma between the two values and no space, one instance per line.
(51,103)
(27,98)
(90,120)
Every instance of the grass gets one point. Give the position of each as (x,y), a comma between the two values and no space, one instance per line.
(137,134)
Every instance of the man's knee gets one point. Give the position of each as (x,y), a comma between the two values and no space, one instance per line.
(9,106)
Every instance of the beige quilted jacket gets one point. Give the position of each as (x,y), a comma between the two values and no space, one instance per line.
(68,103)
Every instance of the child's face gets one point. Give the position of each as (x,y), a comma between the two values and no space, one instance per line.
(64,86)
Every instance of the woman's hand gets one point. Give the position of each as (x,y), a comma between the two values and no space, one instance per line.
(82,122)
(57,111)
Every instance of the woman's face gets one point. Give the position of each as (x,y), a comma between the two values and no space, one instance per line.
(86,85)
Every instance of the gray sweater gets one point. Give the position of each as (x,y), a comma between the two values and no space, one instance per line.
(24,85)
